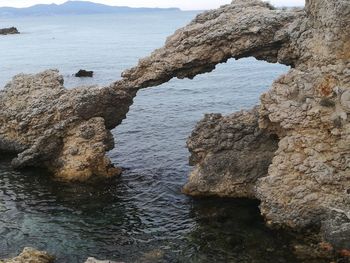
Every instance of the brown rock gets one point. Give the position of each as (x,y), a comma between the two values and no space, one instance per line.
(66,131)
(308,108)
(31,255)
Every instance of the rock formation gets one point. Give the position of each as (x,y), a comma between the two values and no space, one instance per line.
(30,255)
(9,31)
(307,108)
(66,131)
(82,73)
(222,147)
(308,180)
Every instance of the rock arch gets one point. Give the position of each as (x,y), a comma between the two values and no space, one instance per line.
(307,108)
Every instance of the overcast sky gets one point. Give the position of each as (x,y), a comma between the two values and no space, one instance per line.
(183,4)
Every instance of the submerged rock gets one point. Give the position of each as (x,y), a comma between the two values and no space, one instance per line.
(9,31)
(31,255)
(94,260)
(222,147)
(84,73)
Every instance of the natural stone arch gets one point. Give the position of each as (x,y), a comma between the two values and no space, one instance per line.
(307,108)
(45,113)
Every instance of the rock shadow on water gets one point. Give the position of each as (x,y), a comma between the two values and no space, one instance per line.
(126,219)
(71,221)
(233,230)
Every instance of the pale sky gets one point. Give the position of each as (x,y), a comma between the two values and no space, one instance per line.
(183,4)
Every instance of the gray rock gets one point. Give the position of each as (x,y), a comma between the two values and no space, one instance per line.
(9,31)
(230,153)
(65,131)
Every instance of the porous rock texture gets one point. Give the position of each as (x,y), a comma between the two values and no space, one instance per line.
(221,148)
(31,255)
(66,131)
(308,108)
(46,124)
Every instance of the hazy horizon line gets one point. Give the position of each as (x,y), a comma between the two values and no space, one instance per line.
(131,6)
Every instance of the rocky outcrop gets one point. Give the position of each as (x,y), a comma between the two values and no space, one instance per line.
(82,73)
(308,109)
(31,255)
(222,147)
(9,31)
(66,131)
(242,29)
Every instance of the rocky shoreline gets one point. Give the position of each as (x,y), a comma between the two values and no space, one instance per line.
(292,152)
(31,255)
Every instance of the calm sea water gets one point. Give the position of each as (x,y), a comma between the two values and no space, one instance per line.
(142,216)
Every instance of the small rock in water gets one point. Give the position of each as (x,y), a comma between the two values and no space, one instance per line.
(84,73)
(8,31)
(94,260)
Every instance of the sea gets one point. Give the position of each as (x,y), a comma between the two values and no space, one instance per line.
(141,216)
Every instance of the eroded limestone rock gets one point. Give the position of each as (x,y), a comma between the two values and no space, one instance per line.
(31,255)
(243,29)
(307,108)
(310,172)
(66,131)
(230,153)
(41,121)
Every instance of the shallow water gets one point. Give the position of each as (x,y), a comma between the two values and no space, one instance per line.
(141,216)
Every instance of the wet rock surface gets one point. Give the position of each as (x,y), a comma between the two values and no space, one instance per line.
(31,255)
(84,74)
(9,31)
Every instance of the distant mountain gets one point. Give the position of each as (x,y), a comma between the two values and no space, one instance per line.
(75,8)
